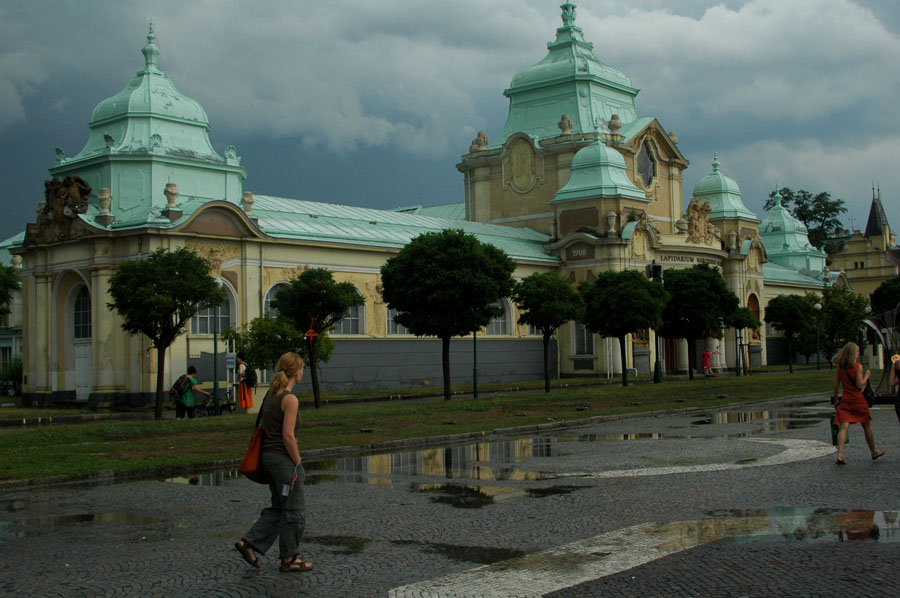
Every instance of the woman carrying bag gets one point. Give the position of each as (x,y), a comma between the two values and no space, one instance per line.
(280,459)
(851,406)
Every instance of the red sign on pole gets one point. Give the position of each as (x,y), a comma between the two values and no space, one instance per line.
(311,334)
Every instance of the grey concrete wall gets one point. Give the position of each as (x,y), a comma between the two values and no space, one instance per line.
(403,363)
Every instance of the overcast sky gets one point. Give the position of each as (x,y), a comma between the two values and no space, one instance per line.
(372,102)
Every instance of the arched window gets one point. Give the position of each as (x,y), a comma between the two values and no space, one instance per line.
(267,307)
(584,339)
(81,314)
(205,320)
(394,327)
(646,164)
(500,324)
(353,321)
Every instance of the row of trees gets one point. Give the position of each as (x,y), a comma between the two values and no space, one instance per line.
(811,323)
(442,284)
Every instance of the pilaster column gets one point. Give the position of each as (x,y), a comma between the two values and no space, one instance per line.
(38,342)
(105,357)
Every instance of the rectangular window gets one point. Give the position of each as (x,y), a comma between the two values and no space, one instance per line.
(584,340)
(349,324)
(534,331)
(5,355)
(394,327)
(205,320)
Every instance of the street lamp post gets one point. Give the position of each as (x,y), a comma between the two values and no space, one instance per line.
(655,272)
(818,308)
(215,392)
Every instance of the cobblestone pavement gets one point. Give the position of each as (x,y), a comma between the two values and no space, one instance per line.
(742,502)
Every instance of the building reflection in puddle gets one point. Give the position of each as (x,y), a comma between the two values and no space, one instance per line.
(487,461)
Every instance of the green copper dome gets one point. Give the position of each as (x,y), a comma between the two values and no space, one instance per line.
(723,195)
(569,80)
(150,114)
(147,141)
(786,240)
(598,170)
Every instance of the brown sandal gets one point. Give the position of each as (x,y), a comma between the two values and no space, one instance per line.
(877,454)
(294,566)
(245,549)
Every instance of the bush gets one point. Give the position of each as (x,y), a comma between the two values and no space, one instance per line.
(11,377)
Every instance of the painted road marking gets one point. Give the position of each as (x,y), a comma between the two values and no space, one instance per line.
(539,573)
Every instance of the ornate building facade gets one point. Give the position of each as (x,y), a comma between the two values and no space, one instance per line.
(577,182)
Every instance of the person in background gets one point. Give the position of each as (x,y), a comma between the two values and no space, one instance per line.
(285,519)
(186,403)
(245,392)
(895,381)
(851,406)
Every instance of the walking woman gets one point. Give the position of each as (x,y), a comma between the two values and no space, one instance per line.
(851,407)
(245,390)
(280,458)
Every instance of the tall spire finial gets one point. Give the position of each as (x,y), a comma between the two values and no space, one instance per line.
(151,50)
(715,163)
(568,14)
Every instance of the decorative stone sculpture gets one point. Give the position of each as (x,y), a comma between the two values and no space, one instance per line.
(60,155)
(247,201)
(479,143)
(17,261)
(565,124)
(698,222)
(231,152)
(109,140)
(171,193)
(64,201)
(614,124)
(673,137)
(681,225)
(732,240)
(105,217)
(611,225)
(171,211)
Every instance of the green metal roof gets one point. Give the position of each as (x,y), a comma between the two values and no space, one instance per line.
(776,273)
(454,211)
(325,222)
(14,241)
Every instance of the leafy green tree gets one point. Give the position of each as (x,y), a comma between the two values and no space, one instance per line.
(9,284)
(546,302)
(885,302)
(445,284)
(617,304)
(699,301)
(266,339)
(315,301)
(11,376)
(820,213)
(791,315)
(157,296)
(843,312)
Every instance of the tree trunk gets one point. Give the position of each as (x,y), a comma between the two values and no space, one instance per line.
(622,353)
(160,376)
(445,358)
(314,374)
(546,365)
(692,347)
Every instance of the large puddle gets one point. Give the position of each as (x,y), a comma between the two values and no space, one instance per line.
(512,460)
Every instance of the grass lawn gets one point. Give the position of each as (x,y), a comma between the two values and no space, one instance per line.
(72,449)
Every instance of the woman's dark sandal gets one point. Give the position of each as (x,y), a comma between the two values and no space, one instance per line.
(244,549)
(877,454)
(294,566)
(841,462)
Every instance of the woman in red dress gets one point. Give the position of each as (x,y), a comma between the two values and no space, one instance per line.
(851,407)
(245,393)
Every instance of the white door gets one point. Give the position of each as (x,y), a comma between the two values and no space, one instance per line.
(82,371)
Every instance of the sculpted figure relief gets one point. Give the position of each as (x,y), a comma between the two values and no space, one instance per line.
(64,201)
(698,221)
